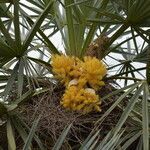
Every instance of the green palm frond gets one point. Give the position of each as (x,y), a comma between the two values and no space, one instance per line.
(116,31)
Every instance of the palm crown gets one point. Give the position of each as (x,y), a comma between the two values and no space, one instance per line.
(113,31)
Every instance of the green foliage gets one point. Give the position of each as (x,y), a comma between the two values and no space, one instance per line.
(61,139)
(27,28)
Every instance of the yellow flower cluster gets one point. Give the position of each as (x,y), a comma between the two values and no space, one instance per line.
(62,65)
(93,72)
(78,75)
(81,99)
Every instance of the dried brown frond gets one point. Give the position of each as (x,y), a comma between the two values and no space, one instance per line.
(97,48)
(55,118)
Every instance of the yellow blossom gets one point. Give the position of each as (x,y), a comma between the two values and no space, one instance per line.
(82,79)
(80,100)
(76,71)
(61,66)
(93,71)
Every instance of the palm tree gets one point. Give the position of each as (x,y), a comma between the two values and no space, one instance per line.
(120,31)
